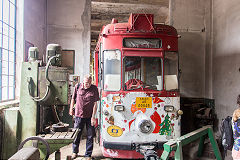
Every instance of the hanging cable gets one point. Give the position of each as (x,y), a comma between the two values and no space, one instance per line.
(37,99)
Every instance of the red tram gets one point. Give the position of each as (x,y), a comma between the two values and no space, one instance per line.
(136,68)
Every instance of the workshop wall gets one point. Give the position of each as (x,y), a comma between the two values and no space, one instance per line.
(31,30)
(226,56)
(35,24)
(192,21)
(68,24)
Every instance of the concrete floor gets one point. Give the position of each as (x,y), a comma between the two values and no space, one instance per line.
(67,151)
(189,152)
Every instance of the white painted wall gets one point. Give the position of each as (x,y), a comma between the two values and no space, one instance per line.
(209,60)
(192,19)
(68,24)
(31,27)
(35,24)
(226,56)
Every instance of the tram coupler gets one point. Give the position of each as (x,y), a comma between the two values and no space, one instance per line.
(147,151)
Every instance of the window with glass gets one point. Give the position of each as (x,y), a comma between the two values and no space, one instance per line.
(143,73)
(142,43)
(7,49)
(171,70)
(112,70)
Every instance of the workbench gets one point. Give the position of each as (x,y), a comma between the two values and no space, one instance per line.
(56,140)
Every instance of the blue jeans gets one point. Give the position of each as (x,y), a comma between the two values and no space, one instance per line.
(79,123)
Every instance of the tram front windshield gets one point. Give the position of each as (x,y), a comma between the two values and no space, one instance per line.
(142,72)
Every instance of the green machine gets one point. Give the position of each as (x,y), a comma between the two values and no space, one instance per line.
(44,99)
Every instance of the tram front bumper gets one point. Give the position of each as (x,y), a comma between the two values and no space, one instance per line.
(131,146)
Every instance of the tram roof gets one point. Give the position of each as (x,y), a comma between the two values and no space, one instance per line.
(139,23)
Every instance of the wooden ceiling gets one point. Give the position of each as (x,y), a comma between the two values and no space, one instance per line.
(102,12)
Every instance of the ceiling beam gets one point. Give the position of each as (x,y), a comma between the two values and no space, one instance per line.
(103,10)
(153,2)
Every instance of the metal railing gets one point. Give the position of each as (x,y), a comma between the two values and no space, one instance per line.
(177,144)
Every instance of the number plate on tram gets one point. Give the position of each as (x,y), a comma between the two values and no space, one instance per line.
(144,102)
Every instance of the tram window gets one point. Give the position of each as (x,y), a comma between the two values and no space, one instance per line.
(112,70)
(171,70)
(142,43)
(142,72)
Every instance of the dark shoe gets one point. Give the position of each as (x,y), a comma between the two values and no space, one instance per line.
(74,155)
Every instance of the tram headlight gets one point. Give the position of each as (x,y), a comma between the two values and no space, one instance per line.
(179,112)
(145,126)
(119,108)
(116,98)
(168,108)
